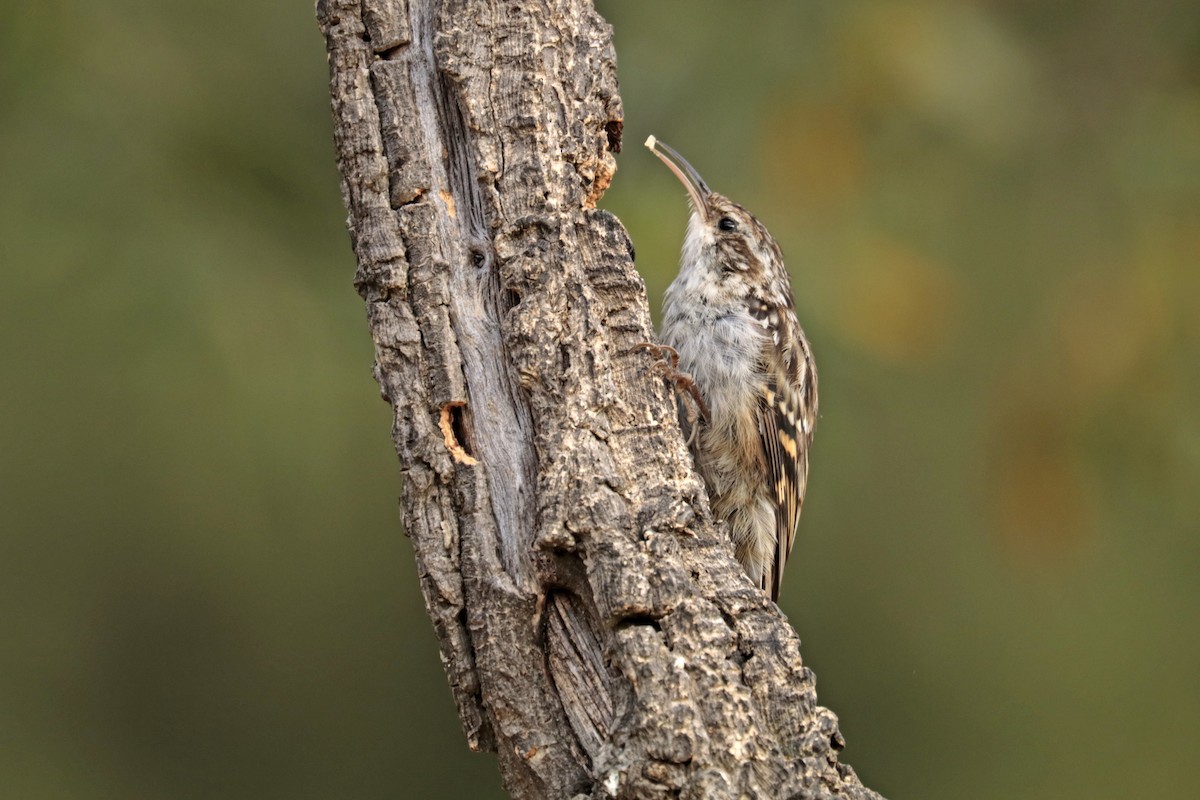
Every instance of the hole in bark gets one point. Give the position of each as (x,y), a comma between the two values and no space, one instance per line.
(456,433)
(613,129)
(458,423)
(640,619)
(478,258)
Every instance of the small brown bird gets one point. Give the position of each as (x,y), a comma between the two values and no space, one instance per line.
(730,318)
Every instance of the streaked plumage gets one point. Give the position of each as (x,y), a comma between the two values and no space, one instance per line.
(729,314)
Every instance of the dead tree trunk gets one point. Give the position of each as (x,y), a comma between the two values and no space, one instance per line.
(595,629)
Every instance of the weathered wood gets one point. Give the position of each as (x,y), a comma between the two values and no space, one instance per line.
(595,629)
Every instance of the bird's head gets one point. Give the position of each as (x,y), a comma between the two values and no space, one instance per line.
(725,243)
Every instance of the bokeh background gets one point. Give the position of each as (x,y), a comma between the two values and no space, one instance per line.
(991,211)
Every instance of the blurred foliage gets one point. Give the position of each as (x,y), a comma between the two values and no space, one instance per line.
(992,214)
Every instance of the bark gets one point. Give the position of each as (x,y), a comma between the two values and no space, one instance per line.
(595,629)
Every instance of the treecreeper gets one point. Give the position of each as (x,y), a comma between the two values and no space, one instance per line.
(734,345)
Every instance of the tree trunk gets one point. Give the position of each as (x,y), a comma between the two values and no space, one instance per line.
(595,629)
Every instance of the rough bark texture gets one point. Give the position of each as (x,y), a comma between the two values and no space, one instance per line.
(595,629)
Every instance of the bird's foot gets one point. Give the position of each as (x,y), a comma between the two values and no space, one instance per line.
(667,365)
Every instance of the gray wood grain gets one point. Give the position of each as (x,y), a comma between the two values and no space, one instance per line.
(595,629)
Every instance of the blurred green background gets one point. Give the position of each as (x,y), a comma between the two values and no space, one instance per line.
(991,211)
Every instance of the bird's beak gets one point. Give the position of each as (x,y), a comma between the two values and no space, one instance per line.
(697,189)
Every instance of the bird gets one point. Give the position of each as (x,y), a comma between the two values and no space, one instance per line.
(730,333)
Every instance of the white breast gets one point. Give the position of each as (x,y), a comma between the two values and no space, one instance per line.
(719,343)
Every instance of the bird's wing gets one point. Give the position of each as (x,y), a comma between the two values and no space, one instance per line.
(785,425)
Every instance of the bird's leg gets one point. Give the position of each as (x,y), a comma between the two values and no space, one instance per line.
(668,366)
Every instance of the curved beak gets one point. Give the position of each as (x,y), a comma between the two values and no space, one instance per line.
(697,189)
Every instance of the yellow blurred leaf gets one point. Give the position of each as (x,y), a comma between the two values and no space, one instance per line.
(897,304)
(1036,494)
(813,158)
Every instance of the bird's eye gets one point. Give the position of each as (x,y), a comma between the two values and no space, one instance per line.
(727,224)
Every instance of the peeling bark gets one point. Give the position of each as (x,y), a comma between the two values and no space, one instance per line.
(595,629)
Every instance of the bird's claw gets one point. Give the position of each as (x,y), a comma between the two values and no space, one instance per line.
(664,352)
(667,365)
